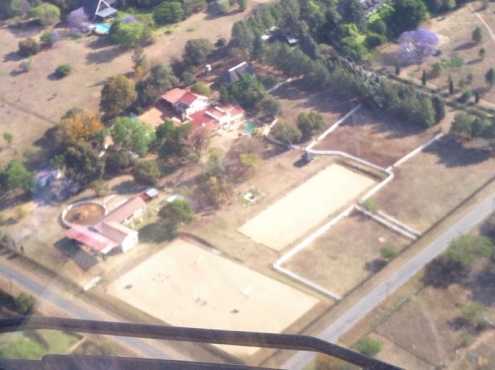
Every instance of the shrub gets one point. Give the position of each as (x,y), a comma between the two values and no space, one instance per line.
(25,66)
(388,253)
(465,97)
(48,39)
(168,12)
(46,13)
(368,346)
(130,35)
(25,303)
(63,70)
(147,172)
(28,47)
(370,205)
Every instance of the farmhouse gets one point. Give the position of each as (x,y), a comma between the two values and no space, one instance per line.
(226,117)
(111,232)
(185,102)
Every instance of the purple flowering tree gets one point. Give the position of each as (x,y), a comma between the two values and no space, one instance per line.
(78,21)
(416,46)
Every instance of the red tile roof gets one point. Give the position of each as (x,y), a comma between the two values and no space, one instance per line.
(202,119)
(174,95)
(125,210)
(95,241)
(188,98)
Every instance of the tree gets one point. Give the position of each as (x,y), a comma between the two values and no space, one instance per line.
(176,213)
(468,248)
(439,107)
(172,140)
(451,85)
(482,53)
(117,161)
(12,8)
(130,34)
(490,77)
(368,346)
(417,45)
(63,70)
(193,6)
(242,5)
(352,11)
(197,51)
(140,64)
(423,78)
(16,176)
(248,92)
(49,38)
(161,78)
(46,13)
(78,125)
(77,20)
(82,163)
(168,12)
(477,35)
(309,123)
(406,15)
(286,133)
(117,95)
(131,134)
(201,88)
(147,172)
(28,47)
(270,106)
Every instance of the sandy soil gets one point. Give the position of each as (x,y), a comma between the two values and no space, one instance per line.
(340,259)
(306,206)
(187,285)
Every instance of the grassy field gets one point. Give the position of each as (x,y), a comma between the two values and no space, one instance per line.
(434,182)
(379,140)
(343,258)
(34,345)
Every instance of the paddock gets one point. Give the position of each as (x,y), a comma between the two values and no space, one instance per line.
(188,285)
(306,206)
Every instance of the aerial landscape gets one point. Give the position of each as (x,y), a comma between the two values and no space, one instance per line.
(315,167)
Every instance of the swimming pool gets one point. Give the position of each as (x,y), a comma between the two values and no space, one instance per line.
(249,127)
(102,28)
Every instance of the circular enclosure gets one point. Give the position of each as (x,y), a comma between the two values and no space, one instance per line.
(87,214)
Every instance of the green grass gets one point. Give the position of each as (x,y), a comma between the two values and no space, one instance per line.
(34,345)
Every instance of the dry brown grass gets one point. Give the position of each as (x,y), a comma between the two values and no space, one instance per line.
(434,182)
(343,257)
(381,141)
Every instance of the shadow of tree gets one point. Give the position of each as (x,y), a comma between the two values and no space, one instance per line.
(452,153)
(104,55)
(155,233)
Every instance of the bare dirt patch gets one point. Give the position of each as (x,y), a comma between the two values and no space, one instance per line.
(85,214)
(209,291)
(379,140)
(346,255)
(434,182)
(305,207)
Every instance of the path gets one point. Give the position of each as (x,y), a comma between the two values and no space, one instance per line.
(396,280)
